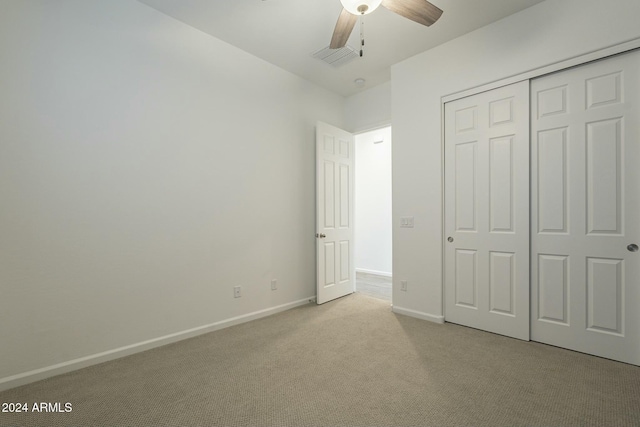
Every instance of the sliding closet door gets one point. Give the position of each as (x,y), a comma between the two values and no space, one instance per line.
(487,211)
(585,224)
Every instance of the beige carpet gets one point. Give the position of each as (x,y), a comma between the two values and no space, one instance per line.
(350,362)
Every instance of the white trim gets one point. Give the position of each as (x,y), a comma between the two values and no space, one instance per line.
(370,128)
(547,69)
(442,203)
(417,314)
(82,362)
(374,272)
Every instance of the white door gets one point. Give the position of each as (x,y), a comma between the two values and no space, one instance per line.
(487,211)
(334,212)
(585,138)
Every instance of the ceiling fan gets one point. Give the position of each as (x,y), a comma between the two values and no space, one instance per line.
(420,11)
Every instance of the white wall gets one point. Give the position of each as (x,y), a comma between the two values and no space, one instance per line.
(549,32)
(368,109)
(373,202)
(145,169)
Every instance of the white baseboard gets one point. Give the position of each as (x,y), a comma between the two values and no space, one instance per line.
(418,314)
(82,362)
(377,273)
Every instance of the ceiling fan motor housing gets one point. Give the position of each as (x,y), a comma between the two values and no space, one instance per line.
(360,7)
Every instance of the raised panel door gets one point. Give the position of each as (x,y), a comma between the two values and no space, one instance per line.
(585,208)
(334,212)
(487,211)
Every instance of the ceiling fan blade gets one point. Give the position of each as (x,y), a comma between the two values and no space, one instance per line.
(420,11)
(344,26)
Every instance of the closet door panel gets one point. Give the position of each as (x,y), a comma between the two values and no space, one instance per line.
(487,211)
(585,208)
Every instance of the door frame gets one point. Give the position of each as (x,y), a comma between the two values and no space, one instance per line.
(355,135)
(381,125)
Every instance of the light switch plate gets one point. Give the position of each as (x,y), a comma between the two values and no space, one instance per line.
(406,222)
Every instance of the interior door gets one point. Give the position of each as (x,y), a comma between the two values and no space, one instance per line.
(487,211)
(334,212)
(585,208)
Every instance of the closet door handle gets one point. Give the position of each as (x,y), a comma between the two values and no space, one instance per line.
(632,247)
(449,239)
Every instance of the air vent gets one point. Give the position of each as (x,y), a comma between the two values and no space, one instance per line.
(336,57)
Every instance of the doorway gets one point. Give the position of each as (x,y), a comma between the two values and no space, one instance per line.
(373,221)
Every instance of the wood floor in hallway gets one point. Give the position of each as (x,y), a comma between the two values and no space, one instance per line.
(374,285)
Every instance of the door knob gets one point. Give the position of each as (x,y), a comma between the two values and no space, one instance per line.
(632,247)
(321,236)
(450,239)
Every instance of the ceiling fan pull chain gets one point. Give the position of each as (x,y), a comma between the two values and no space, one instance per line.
(361,35)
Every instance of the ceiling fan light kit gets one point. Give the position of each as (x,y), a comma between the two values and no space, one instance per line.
(420,11)
(360,7)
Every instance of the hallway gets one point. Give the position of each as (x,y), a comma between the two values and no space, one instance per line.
(374,285)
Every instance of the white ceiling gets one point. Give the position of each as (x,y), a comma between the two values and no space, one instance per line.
(287,32)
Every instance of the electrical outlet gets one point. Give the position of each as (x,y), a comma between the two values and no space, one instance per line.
(237,291)
(274,284)
(403,285)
